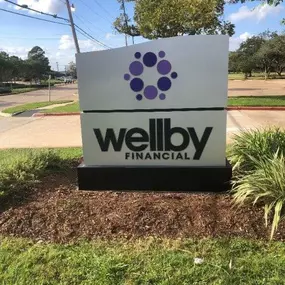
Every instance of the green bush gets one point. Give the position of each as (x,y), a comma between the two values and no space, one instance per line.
(265,185)
(5,90)
(23,168)
(254,145)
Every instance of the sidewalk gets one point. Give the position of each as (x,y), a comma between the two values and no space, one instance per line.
(65,131)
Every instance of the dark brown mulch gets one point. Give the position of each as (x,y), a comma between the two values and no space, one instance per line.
(55,211)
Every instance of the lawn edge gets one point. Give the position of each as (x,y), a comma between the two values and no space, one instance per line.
(230,108)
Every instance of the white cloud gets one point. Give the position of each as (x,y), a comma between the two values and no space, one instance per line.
(66,43)
(245,36)
(236,41)
(47,6)
(108,36)
(258,13)
(21,52)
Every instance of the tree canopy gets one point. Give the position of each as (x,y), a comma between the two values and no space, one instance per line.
(167,18)
(264,52)
(36,66)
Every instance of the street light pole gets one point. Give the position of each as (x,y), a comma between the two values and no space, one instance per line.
(72,26)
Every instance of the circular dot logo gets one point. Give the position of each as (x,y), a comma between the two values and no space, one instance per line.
(140,65)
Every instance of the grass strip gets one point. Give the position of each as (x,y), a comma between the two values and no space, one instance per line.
(32,106)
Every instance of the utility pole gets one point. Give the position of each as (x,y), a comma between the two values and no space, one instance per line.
(72,26)
(57,67)
(126,22)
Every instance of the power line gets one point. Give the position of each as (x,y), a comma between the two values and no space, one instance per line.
(65,24)
(89,7)
(106,11)
(95,27)
(82,32)
(40,19)
(37,11)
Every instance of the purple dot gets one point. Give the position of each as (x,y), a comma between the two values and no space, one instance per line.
(164,67)
(139,97)
(149,59)
(138,55)
(136,68)
(136,84)
(164,83)
(162,96)
(174,75)
(161,54)
(127,76)
(150,92)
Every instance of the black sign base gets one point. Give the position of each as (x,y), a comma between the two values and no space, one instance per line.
(163,179)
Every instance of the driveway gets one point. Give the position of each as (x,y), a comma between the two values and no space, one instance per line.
(256,87)
(63,92)
(65,131)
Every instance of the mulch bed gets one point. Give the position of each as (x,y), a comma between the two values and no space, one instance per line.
(55,211)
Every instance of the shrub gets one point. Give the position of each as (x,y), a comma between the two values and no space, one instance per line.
(5,90)
(23,168)
(254,145)
(265,184)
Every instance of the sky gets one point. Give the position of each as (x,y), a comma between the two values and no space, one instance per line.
(19,34)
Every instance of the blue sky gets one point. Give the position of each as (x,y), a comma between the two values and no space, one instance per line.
(19,34)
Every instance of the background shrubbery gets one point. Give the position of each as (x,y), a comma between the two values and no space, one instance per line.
(258,159)
(19,169)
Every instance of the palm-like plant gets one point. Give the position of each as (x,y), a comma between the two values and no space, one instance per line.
(265,184)
(251,146)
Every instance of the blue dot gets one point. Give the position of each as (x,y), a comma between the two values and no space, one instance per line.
(136,84)
(149,59)
(174,75)
(127,76)
(161,54)
(138,55)
(164,83)
(139,97)
(162,96)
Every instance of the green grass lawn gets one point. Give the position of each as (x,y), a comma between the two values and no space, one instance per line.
(32,106)
(70,108)
(255,76)
(257,101)
(232,101)
(65,153)
(148,261)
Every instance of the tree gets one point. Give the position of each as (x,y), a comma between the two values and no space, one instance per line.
(234,62)
(38,63)
(123,24)
(6,67)
(247,54)
(17,66)
(167,18)
(277,45)
(71,69)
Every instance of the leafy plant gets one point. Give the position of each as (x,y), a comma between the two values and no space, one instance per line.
(24,168)
(249,147)
(265,184)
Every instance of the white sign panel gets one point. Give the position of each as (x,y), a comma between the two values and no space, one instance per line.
(172,73)
(196,138)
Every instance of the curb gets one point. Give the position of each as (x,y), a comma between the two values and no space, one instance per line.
(257,108)
(55,114)
(10,115)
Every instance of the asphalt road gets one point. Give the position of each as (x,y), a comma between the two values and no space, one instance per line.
(63,92)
